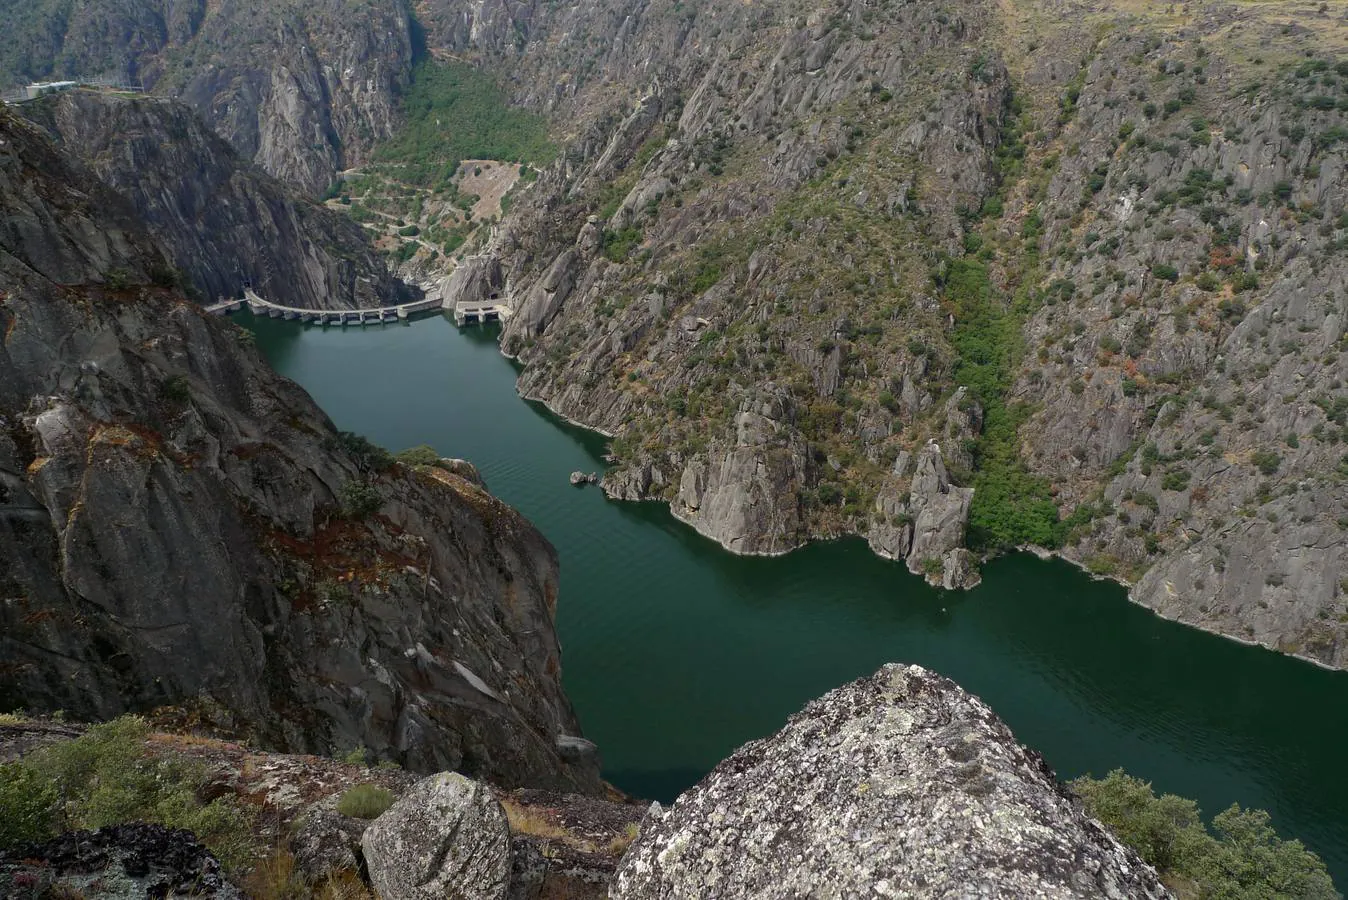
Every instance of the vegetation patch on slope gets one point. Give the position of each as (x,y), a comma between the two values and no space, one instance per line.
(1240,857)
(108,776)
(1010,505)
(456,112)
(456,163)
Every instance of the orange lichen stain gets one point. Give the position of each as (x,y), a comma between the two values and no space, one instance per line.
(144,442)
(342,551)
(36,465)
(115,435)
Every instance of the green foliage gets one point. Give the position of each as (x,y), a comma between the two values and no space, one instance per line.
(175,390)
(118,279)
(1010,506)
(359,499)
(455,112)
(27,805)
(365,801)
(618,245)
(1165,272)
(1244,860)
(420,455)
(108,776)
(1266,461)
(1176,480)
(829,494)
(368,455)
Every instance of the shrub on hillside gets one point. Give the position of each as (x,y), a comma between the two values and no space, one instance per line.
(420,455)
(1245,858)
(108,776)
(359,499)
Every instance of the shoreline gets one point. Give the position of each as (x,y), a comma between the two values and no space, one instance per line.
(1042,553)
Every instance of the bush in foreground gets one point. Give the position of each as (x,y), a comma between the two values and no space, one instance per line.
(106,777)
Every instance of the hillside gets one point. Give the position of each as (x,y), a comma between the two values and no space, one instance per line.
(222,221)
(847,262)
(304,89)
(958,277)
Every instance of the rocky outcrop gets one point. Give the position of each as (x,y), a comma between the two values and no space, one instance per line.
(742,496)
(164,496)
(118,862)
(446,837)
(925,525)
(900,784)
(221,220)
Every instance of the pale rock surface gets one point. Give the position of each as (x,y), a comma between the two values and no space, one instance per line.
(896,785)
(446,837)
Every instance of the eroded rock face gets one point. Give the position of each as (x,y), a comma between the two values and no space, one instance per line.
(897,785)
(302,87)
(222,220)
(165,496)
(924,525)
(446,837)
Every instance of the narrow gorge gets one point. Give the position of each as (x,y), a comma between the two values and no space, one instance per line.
(887,288)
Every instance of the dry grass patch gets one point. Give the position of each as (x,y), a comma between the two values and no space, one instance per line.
(524,820)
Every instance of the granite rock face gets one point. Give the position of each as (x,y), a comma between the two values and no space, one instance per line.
(165,496)
(221,220)
(925,524)
(304,88)
(446,837)
(897,785)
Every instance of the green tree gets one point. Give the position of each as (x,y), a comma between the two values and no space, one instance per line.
(1242,858)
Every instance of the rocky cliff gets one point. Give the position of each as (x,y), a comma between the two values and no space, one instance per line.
(825,268)
(302,88)
(1064,275)
(222,221)
(180,527)
(899,784)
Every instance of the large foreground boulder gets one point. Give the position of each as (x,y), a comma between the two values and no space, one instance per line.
(446,837)
(897,785)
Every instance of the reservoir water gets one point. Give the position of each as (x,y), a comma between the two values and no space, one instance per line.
(676,652)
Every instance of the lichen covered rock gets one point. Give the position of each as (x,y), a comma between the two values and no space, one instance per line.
(447,837)
(897,785)
(118,861)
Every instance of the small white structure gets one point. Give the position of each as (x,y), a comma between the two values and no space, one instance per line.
(42,88)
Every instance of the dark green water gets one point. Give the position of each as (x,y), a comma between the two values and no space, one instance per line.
(676,652)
